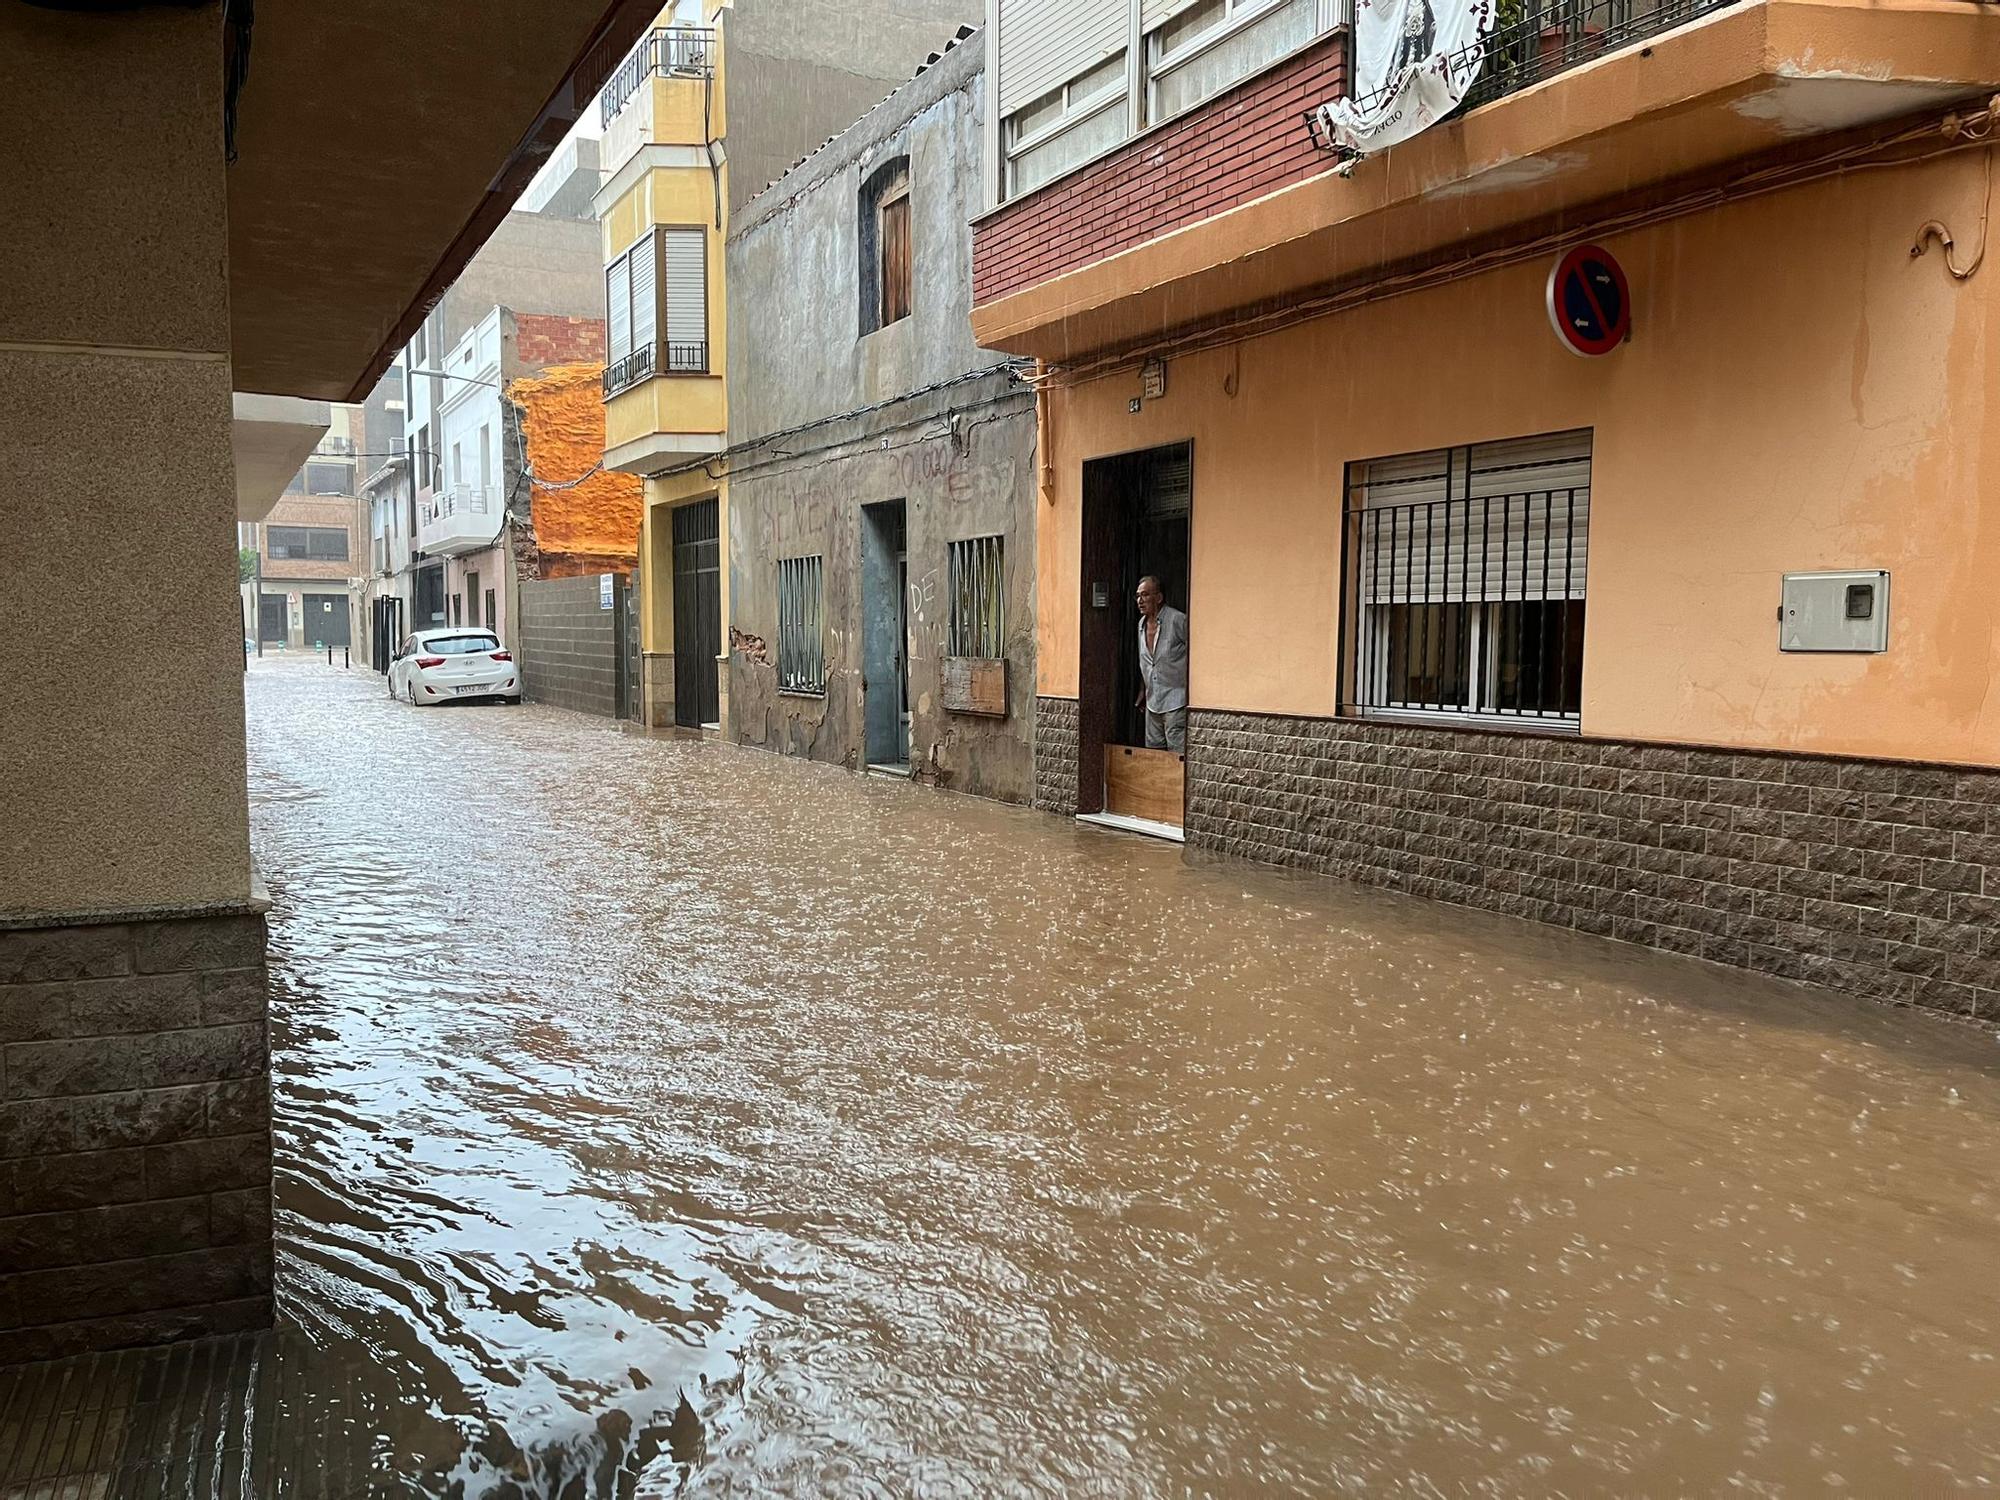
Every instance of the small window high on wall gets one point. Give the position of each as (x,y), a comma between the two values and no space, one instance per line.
(1466,583)
(884,214)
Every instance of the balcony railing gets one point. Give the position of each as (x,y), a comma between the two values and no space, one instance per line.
(1541,38)
(335,447)
(648,360)
(670,52)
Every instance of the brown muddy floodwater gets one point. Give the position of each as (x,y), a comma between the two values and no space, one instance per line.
(662,1118)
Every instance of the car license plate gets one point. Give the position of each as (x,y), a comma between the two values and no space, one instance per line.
(477,687)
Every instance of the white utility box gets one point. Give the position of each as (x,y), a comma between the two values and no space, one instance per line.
(1835,611)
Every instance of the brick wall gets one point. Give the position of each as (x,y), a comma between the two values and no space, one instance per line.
(546,339)
(1055,755)
(1238,146)
(1877,878)
(567,645)
(135,1137)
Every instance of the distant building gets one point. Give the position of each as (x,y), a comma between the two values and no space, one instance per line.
(714,103)
(311,549)
(881,551)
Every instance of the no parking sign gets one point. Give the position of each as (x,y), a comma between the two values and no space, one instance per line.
(1590,301)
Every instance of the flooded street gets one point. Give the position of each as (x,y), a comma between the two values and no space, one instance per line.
(661,1118)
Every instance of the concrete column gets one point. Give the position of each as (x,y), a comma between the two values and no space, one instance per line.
(134,1124)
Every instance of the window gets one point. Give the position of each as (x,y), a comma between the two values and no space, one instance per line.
(460,645)
(458,463)
(656,308)
(307,543)
(485,459)
(1028,133)
(1468,574)
(801,656)
(296,485)
(978,597)
(472,596)
(458,609)
(492,614)
(884,223)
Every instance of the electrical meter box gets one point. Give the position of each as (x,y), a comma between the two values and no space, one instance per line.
(1835,612)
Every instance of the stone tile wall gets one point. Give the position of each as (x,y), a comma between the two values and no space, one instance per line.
(1055,755)
(1877,878)
(135,1134)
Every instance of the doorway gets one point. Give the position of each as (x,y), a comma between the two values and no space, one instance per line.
(1137,510)
(273,619)
(885,636)
(326,621)
(427,597)
(697,614)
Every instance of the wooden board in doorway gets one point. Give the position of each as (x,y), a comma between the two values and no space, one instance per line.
(1144,783)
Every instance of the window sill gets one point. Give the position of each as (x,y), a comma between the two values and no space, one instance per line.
(1486,723)
(816,695)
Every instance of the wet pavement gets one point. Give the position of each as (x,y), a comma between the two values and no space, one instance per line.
(661,1118)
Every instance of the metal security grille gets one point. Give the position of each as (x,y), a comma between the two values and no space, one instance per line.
(979,597)
(801,655)
(1468,573)
(697,613)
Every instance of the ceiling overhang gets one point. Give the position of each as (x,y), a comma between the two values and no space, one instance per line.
(378,145)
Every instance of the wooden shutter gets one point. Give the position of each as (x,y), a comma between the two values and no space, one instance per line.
(618,310)
(1045,43)
(684,263)
(896,259)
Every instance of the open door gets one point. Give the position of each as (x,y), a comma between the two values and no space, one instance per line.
(885,672)
(1137,508)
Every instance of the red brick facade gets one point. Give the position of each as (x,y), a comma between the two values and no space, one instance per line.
(1239,146)
(542,339)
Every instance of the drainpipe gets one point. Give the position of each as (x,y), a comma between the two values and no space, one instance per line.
(1044,424)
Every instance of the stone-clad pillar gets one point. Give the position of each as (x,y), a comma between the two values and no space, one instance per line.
(134,1134)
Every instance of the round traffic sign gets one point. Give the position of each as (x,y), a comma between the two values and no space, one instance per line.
(1590,301)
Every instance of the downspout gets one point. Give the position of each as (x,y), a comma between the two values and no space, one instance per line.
(1045,461)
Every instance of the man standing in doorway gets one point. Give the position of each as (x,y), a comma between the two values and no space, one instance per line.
(1163,668)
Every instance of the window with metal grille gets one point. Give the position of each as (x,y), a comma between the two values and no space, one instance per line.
(978,597)
(801,601)
(1467,580)
(307,543)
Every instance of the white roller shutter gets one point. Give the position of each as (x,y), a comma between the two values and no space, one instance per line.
(1494,522)
(618,310)
(645,303)
(1045,43)
(684,254)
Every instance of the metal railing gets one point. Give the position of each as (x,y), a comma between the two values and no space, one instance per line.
(459,500)
(629,371)
(671,52)
(1471,606)
(646,361)
(1537,39)
(335,447)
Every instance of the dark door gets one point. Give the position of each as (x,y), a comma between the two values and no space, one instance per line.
(326,622)
(271,619)
(884,634)
(697,614)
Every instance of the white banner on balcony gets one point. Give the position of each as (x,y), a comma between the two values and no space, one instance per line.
(1413,62)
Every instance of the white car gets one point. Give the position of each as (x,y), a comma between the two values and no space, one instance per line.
(439,666)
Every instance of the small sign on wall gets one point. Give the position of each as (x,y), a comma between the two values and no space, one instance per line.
(604,590)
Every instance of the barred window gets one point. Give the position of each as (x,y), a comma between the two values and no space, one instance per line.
(307,543)
(978,597)
(801,656)
(1468,571)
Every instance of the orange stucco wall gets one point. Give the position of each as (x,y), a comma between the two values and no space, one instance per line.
(597,522)
(1799,394)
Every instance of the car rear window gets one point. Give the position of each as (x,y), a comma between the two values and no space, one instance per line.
(460,645)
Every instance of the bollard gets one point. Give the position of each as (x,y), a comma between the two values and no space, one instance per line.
(329,653)
(347,657)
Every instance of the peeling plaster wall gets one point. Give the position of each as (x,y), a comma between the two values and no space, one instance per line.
(961,459)
(593,527)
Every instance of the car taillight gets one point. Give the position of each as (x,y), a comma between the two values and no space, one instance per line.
(430,661)
(503,656)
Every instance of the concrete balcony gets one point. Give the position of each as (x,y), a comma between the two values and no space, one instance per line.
(663,421)
(1575,121)
(464,518)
